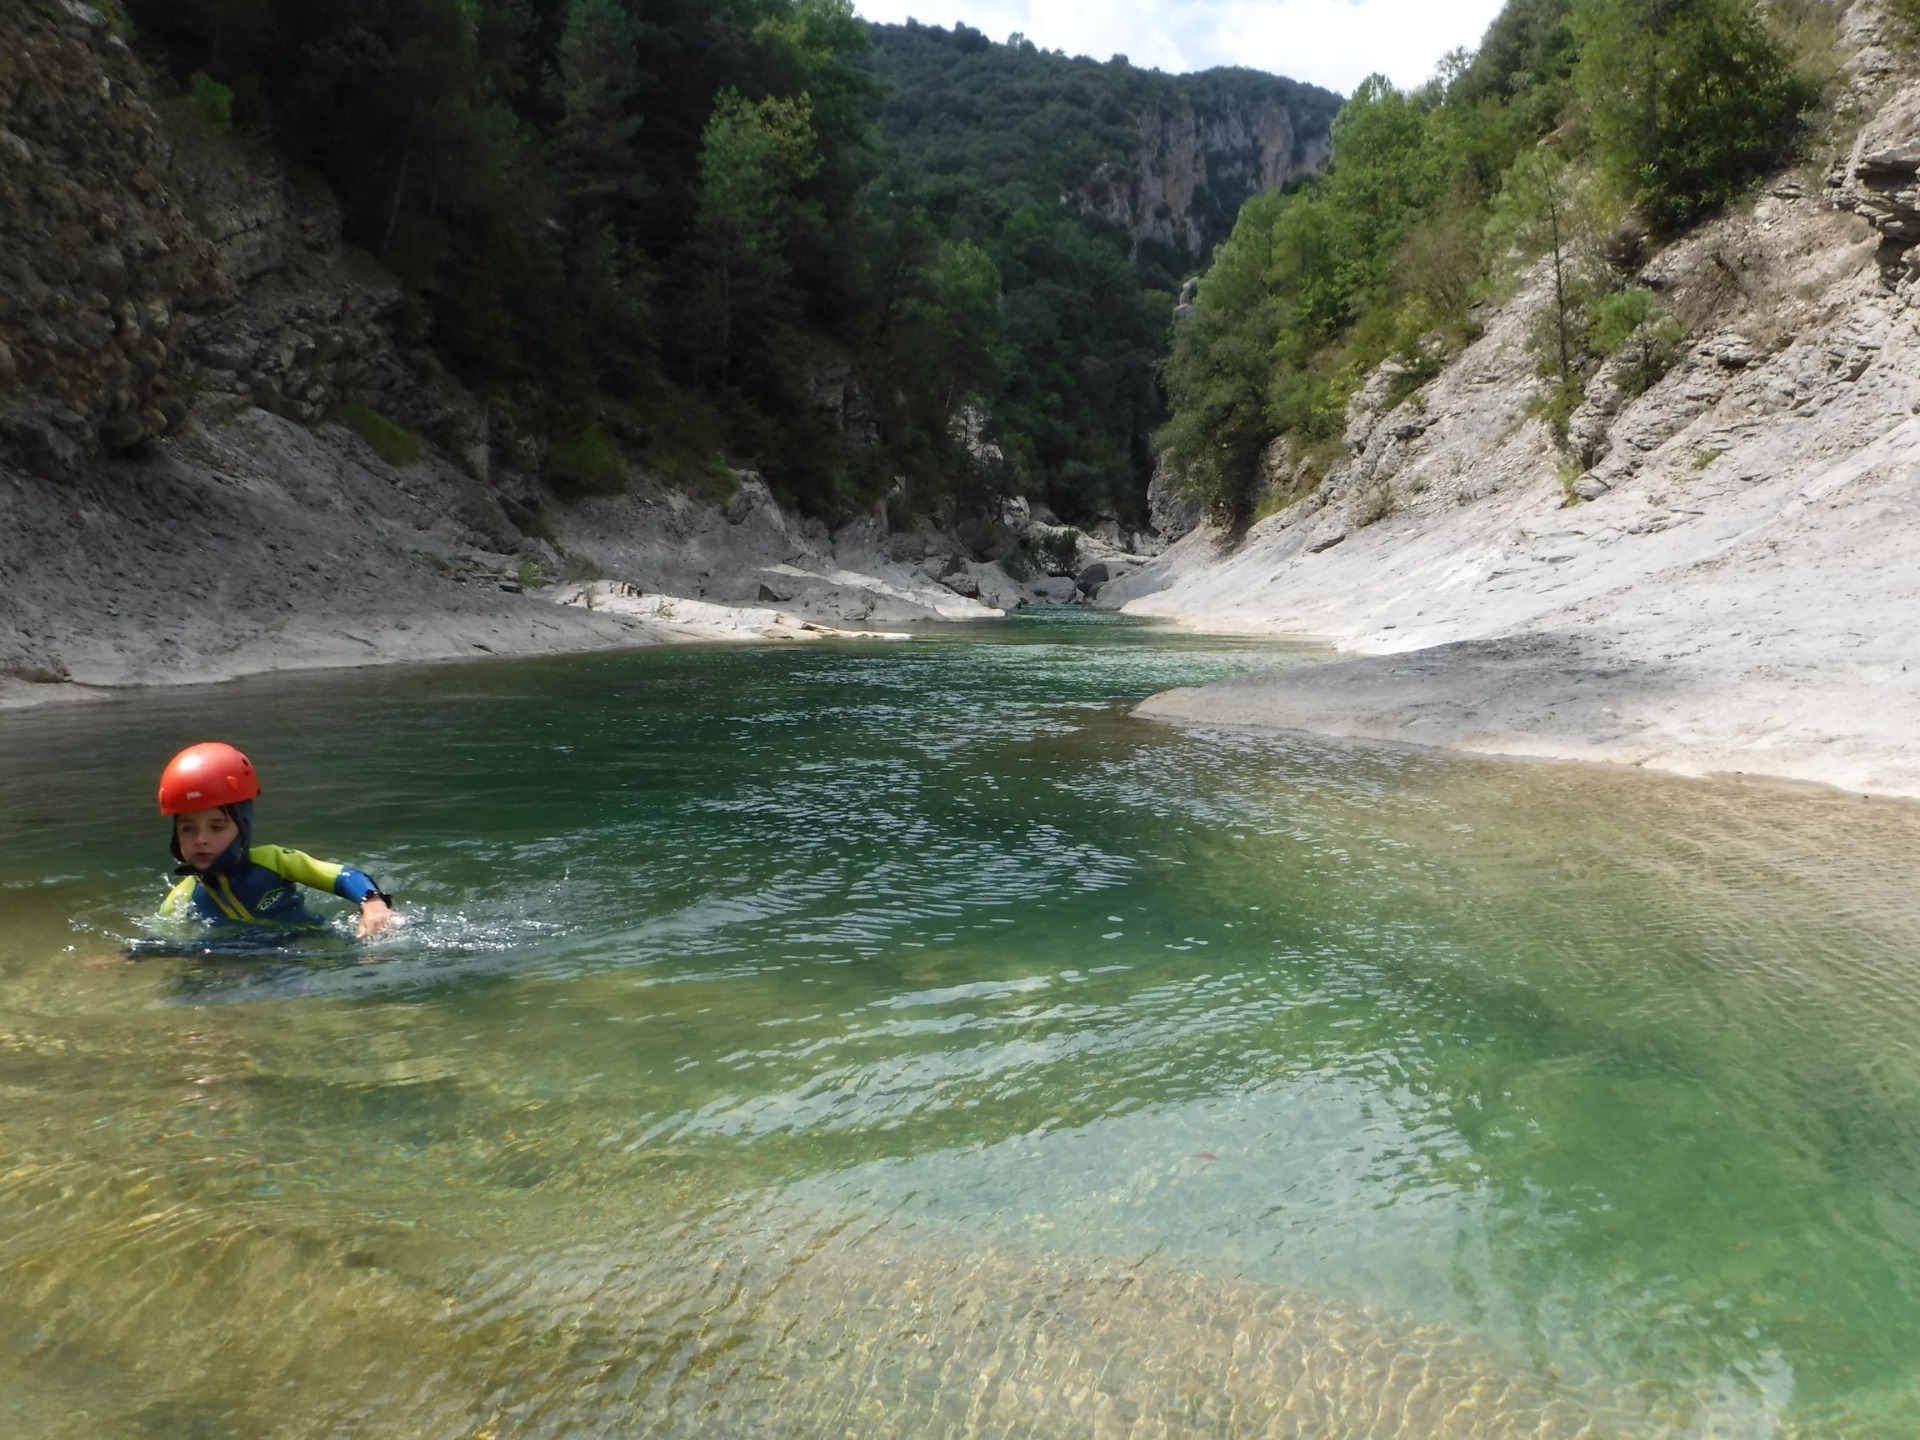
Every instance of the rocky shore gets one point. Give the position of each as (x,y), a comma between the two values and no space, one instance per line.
(1730,584)
(248,542)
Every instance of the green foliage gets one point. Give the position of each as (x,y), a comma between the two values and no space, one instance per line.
(1060,549)
(1617,317)
(754,157)
(1555,405)
(392,442)
(694,219)
(1687,101)
(990,137)
(1217,376)
(530,575)
(1548,208)
(1316,288)
(762,232)
(986,128)
(1809,30)
(584,461)
(211,101)
(1647,350)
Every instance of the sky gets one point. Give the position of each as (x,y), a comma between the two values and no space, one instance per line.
(1335,43)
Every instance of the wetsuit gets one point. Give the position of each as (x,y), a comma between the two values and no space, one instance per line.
(258,884)
(261,883)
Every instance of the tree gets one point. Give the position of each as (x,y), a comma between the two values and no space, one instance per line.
(1545,209)
(753,157)
(1688,101)
(593,144)
(1528,49)
(959,328)
(1217,375)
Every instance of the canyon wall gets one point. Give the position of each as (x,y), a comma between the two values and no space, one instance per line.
(1200,159)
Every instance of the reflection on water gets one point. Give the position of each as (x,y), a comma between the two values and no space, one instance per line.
(905,1042)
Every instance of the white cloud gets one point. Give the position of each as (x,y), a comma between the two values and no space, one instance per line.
(1335,43)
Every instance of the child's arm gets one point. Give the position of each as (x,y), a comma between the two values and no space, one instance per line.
(179,902)
(376,907)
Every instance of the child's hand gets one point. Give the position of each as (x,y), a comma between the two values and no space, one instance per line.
(375,916)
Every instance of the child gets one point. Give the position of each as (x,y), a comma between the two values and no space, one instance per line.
(209,791)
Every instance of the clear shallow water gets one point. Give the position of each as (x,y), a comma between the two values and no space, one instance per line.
(902,1041)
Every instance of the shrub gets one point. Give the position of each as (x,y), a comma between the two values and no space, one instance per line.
(1570,471)
(393,443)
(211,101)
(585,463)
(1374,506)
(1616,317)
(1687,103)
(1061,551)
(1650,353)
(1904,21)
(1555,405)
(1634,325)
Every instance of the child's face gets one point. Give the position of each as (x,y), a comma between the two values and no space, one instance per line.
(203,835)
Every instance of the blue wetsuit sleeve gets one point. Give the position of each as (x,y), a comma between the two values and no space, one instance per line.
(354,886)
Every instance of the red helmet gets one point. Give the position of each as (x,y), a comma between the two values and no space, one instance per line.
(203,776)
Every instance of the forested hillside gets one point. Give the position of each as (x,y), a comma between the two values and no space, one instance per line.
(1582,133)
(1094,189)
(676,232)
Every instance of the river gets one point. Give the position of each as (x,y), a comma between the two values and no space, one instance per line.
(900,1040)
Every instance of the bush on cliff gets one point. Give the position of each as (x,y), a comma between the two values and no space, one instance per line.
(391,441)
(1686,101)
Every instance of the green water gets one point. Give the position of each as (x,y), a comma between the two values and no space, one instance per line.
(900,1040)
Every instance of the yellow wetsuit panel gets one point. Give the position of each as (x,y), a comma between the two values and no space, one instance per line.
(297,865)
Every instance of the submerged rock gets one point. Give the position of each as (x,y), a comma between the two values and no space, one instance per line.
(884,1339)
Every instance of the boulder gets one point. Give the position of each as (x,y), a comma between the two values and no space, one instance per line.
(1172,512)
(1881,178)
(1732,351)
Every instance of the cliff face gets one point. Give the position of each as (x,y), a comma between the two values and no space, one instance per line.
(1168,158)
(97,256)
(148,259)
(1198,163)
